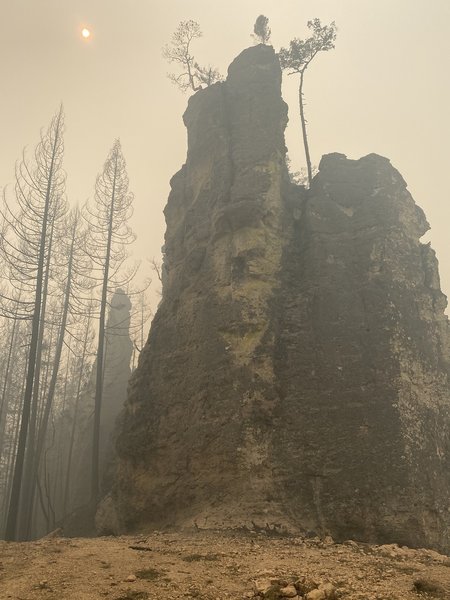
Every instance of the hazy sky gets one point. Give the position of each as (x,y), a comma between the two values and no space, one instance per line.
(385,89)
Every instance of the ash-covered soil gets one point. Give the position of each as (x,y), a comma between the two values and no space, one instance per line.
(218,565)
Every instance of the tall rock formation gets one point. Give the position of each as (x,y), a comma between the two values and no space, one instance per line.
(117,371)
(296,372)
(362,362)
(78,515)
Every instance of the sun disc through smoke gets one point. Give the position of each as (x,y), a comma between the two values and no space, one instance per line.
(85,33)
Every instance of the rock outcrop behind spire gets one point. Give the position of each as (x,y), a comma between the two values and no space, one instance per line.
(296,372)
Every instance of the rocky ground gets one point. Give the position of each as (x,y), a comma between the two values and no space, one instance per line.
(218,565)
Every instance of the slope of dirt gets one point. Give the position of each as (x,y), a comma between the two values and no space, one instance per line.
(217,565)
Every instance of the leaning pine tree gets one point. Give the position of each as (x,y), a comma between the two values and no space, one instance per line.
(298,57)
(107,220)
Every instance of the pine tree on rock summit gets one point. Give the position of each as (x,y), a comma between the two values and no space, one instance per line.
(261,30)
(298,57)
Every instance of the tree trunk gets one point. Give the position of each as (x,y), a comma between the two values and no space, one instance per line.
(305,136)
(5,388)
(26,502)
(13,510)
(75,418)
(12,450)
(95,474)
(52,387)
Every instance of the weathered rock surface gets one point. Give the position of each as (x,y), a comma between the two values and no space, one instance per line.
(296,372)
(362,362)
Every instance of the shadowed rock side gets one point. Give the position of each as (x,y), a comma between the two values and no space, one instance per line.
(362,363)
(296,370)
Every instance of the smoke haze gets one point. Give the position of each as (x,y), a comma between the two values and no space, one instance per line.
(384,89)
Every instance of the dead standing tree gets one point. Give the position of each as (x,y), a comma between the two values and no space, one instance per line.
(298,57)
(25,248)
(107,221)
(12,357)
(74,283)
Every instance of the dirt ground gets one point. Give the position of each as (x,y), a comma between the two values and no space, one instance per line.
(217,565)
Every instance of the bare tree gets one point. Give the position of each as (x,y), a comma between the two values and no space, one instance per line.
(261,30)
(12,413)
(10,339)
(107,221)
(24,250)
(179,52)
(80,368)
(74,284)
(26,492)
(12,359)
(297,58)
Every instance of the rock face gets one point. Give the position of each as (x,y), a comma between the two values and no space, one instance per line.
(296,372)
(117,371)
